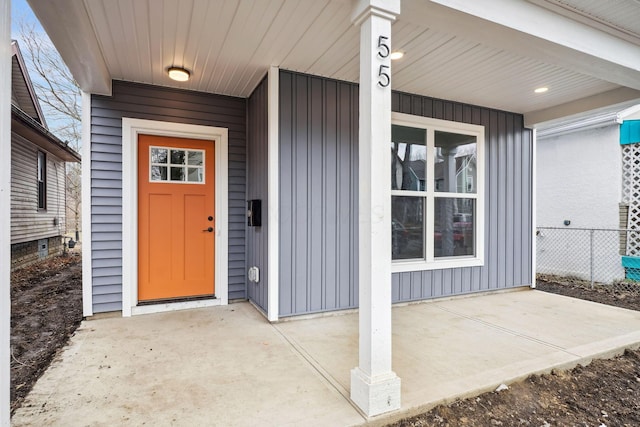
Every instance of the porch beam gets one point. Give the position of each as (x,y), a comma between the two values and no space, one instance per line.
(5,214)
(622,96)
(68,26)
(375,388)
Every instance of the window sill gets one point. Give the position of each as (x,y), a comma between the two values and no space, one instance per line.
(420,265)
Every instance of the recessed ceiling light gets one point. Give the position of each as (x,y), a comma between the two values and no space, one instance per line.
(178,74)
(541,90)
(396,55)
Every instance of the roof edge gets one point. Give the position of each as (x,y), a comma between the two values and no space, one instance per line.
(15,51)
(610,116)
(61,148)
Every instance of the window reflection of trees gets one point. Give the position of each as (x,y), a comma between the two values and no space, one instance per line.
(177,165)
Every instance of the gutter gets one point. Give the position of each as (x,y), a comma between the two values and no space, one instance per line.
(602,120)
(25,119)
(609,118)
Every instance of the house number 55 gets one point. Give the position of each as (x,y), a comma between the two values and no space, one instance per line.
(383,52)
(383,76)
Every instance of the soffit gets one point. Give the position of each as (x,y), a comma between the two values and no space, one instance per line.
(618,17)
(229,45)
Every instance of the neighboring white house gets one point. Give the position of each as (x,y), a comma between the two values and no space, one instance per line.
(585,180)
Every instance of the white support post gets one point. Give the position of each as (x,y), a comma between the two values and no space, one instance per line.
(87,276)
(273,191)
(375,388)
(534,208)
(5,214)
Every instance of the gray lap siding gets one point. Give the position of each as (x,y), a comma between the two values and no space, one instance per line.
(141,101)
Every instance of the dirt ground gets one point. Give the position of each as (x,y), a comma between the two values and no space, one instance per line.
(606,393)
(46,309)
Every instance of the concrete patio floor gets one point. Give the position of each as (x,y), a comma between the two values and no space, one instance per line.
(227,366)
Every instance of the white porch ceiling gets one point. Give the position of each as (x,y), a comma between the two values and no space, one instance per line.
(451,50)
(617,17)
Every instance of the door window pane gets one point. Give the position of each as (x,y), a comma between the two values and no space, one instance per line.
(407,227)
(454,225)
(177,173)
(408,158)
(194,174)
(176,165)
(158,173)
(195,158)
(455,163)
(177,157)
(159,155)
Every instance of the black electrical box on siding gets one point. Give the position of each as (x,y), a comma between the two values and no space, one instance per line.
(254,213)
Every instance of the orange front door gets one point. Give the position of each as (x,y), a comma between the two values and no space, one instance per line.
(176,224)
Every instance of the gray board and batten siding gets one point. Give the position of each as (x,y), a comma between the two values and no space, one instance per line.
(257,188)
(149,102)
(318,158)
(319,198)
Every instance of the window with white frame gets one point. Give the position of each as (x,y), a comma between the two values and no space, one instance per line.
(42,180)
(437,193)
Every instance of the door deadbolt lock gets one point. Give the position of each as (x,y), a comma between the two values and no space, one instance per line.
(210,218)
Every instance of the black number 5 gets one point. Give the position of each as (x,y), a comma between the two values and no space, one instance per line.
(383,47)
(383,76)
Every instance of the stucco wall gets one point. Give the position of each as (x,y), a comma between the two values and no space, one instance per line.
(579,178)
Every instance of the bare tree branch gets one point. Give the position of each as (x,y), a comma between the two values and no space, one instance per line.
(60,98)
(57,91)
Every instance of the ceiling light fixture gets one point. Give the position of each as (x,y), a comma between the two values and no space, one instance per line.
(541,90)
(396,55)
(178,74)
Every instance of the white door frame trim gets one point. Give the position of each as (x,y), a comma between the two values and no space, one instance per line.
(131,128)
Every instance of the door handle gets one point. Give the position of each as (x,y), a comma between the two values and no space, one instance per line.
(210,229)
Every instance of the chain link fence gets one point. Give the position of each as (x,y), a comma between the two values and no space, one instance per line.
(587,256)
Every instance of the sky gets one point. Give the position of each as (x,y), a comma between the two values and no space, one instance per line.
(21,10)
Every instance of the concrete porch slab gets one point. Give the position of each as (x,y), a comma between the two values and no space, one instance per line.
(228,366)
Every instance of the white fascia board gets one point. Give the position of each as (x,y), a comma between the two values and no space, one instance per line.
(613,100)
(532,31)
(631,113)
(569,126)
(69,27)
